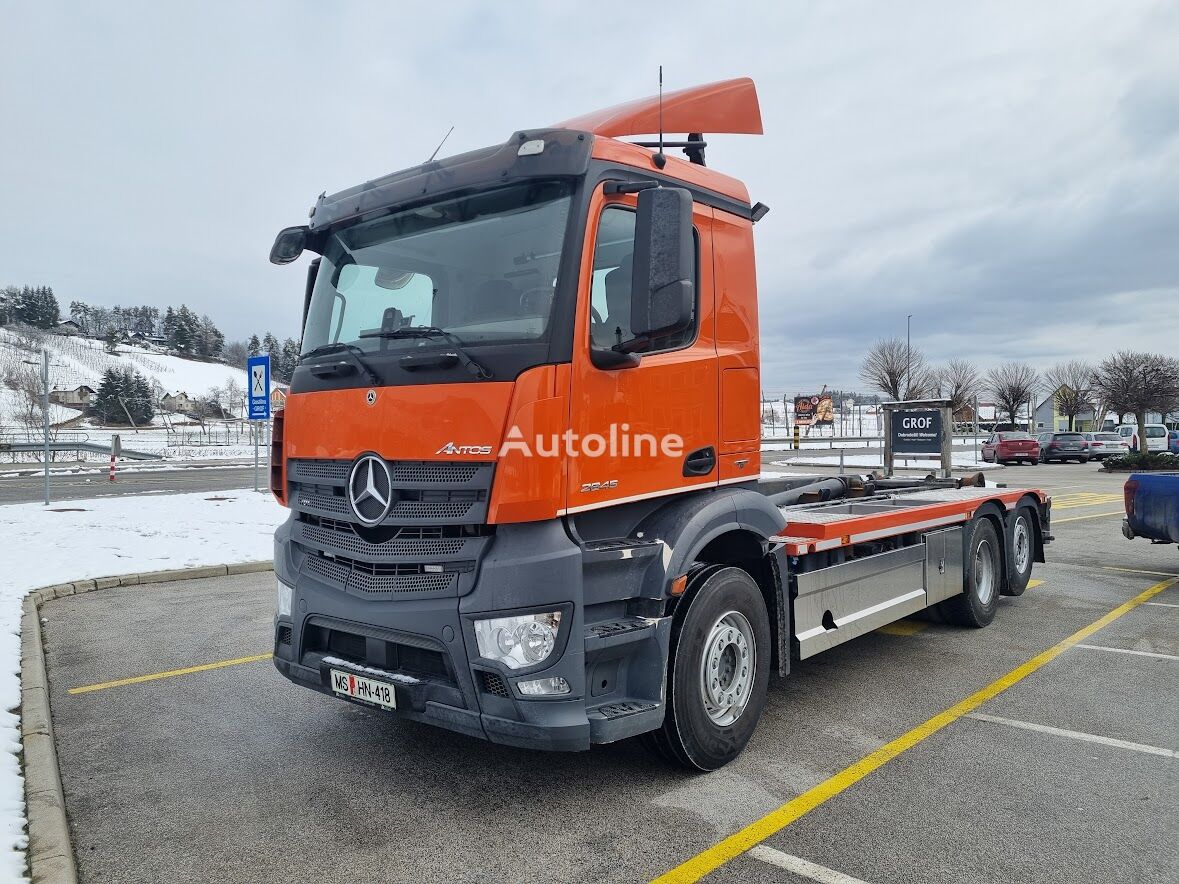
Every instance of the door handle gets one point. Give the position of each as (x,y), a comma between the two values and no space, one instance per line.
(700,462)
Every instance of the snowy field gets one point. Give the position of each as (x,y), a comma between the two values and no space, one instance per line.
(108,536)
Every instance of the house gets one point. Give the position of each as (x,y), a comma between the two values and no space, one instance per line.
(278,396)
(68,327)
(1049,418)
(177,401)
(79,397)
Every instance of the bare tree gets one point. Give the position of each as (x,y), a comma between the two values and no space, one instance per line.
(897,370)
(1137,383)
(1072,385)
(958,381)
(1012,384)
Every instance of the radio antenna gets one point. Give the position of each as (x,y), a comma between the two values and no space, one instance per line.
(439,147)
(660,159)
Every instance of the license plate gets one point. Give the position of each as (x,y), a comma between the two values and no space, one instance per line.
(350,685)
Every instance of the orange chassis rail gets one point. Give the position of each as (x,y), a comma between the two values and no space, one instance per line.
(812,530)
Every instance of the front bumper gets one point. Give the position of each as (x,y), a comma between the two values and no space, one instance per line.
(426,648)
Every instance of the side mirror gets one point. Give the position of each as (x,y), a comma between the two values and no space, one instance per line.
(288,245)
(662,283)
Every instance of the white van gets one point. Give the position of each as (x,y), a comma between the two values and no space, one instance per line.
(1156,436)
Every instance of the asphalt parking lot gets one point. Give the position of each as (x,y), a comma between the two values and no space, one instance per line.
(233,774)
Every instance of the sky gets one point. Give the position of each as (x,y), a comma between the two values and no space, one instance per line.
(1006,172)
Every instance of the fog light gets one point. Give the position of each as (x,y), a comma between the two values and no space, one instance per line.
(542,686)
(283,603)
(518,641)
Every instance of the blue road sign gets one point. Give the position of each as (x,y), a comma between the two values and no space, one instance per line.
(258,368)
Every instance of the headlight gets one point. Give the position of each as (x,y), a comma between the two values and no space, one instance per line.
(283,603)
(518,641)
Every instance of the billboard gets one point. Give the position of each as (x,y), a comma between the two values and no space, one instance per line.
(916,431)
(814,411)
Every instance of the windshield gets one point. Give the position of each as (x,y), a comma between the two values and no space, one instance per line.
(1156,432)
(1108,437)
(1013,437)
(482,267)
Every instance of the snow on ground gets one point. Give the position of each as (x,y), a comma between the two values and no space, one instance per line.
(965,460)
(107,536)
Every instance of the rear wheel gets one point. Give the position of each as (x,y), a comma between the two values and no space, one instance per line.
(1021,546)
(981,578)
(719,670)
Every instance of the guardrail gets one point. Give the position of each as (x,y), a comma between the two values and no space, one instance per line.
(92,447)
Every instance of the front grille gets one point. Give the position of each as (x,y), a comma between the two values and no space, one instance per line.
(434,533)
(493,683)
(314,470)
(377,579)
(421,510)
(345,538)
(427,472)
(284,635)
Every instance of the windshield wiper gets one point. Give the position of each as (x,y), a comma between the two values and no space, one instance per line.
(433,331)
(343,347)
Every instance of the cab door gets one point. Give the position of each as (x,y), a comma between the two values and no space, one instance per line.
(651,429)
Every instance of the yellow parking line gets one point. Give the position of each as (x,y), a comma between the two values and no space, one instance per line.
(1136,571)
(188,670)
(1032,584)
(714,857)
(1082,518)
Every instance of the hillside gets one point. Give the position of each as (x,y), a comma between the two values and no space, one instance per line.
(75,361)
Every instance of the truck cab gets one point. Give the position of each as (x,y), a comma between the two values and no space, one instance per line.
(521,446)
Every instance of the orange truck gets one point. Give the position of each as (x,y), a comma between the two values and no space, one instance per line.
(521,455)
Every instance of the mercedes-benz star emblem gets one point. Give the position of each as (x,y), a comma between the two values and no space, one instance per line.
(370,489)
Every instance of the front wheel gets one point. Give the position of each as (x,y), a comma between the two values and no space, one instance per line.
(981,578)
(719,671)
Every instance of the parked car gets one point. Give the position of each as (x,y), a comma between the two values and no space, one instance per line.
(1156,436)
(1011,446)
(1152,507)
(1173,441)
(1062,447)
(1103,445)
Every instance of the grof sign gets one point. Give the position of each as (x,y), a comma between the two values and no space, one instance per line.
(917,432)
(920,428)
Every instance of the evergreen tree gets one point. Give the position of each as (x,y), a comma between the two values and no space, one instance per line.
(254,347)
(290,358)
(123,393)
(106,403)
(270,345)
(208,339)
(141,404)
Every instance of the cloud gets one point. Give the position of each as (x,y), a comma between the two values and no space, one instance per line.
(1006,173)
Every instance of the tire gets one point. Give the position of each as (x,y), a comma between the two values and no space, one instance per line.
(726,626)
(981,578)
(1021,550)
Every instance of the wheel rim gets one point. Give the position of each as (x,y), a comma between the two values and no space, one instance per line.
(1023,545)
(983,573)
(727,668)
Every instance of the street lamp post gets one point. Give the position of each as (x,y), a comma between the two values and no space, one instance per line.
(908,357)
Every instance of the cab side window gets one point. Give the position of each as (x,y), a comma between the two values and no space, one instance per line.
(610,288)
